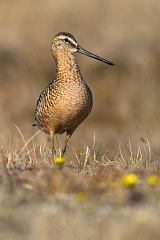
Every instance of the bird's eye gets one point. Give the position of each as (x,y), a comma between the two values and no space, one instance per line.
(66,40)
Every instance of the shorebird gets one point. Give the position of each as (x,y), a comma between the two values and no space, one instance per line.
(67,100)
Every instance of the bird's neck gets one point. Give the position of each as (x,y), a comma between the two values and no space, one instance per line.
(67,68)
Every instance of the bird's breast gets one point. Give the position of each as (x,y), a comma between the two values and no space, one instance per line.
(63,106)
(75,99)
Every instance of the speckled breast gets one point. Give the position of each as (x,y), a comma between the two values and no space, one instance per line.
(63,106)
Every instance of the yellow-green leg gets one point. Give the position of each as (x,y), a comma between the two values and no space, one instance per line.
(65,144)
(53,146)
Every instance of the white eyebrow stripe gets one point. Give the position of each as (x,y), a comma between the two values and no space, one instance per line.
(70,39)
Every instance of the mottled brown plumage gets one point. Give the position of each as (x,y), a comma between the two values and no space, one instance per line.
(67,101)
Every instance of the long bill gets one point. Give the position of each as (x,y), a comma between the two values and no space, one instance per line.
(92,55)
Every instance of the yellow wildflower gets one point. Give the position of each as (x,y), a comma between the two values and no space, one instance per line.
(129,180)
(152,180)
(81,196)
(141,216)
(114,184)
(59,161)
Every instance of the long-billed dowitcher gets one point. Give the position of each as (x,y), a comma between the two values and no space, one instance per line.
(67,100)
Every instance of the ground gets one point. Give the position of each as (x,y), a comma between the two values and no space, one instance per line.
(90,196)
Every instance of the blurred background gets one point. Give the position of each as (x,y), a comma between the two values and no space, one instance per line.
(126,96)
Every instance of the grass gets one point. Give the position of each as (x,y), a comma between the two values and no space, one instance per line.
(91,195)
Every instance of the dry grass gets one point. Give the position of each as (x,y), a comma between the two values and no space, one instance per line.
(87,198)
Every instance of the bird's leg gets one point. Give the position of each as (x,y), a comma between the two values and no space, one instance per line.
(65,144)
(53,147)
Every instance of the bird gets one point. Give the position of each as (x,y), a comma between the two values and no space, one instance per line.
(67,100)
